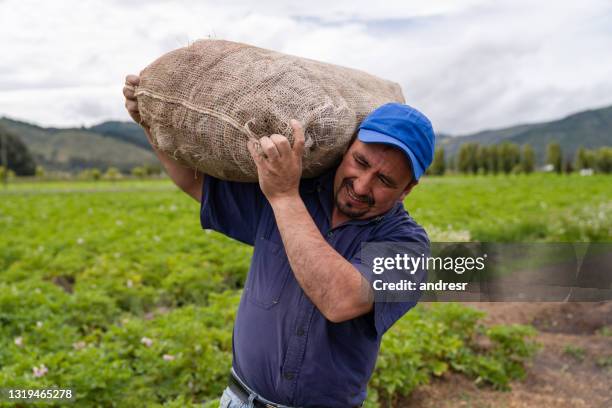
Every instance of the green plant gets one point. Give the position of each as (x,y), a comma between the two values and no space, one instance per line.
(605,362)
(605,331)
(429,341)
(575,351)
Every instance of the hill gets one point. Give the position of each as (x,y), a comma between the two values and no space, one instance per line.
(590,129)
(79,148)
(124,144)
(125,131)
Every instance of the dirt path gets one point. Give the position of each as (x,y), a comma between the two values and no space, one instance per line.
(573,369)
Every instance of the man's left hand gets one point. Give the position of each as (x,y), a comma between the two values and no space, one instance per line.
(279,166)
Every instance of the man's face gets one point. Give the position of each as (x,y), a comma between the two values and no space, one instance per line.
(371,179)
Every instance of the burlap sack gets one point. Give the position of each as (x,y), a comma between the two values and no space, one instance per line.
(203,103)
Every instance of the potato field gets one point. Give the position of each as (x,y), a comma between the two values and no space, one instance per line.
(113,290)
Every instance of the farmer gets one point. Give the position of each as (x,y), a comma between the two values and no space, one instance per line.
(308,328)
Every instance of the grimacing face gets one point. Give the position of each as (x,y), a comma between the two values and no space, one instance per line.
(371,178)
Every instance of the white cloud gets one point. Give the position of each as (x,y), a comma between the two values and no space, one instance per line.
(468,65)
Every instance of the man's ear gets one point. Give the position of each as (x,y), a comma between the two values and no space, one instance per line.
(408,188)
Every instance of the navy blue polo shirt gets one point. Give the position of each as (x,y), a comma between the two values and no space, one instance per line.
(283,347)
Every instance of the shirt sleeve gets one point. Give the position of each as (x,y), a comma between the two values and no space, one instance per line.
(231,208)
(390,306)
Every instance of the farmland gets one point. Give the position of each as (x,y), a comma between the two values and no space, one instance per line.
(114,290)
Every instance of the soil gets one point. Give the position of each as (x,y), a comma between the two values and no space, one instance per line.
(573,368)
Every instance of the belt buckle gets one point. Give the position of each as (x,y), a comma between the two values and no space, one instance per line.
(270,406)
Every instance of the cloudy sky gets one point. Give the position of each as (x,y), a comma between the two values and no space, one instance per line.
(468,64)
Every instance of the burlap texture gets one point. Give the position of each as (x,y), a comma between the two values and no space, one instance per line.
(203,103)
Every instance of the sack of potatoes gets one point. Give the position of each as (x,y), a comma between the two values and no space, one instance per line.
(204,102)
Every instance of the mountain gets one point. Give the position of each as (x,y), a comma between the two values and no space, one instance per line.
(125,131)
(124,144)
(79,148)
(590,129)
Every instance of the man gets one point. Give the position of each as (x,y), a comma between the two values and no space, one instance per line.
(308,328)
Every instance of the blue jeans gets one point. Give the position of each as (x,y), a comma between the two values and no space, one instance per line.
(231,400)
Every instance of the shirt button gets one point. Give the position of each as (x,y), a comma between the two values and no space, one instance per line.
(300,332)
(288,376)
(330,234)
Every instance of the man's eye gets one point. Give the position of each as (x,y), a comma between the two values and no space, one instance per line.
(385,181)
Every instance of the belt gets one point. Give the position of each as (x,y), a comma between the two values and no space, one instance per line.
(242,393)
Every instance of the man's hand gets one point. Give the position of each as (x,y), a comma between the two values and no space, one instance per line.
(279,166)
(131,104)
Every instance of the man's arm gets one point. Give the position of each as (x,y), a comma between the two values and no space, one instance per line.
(188,180)
(335,286)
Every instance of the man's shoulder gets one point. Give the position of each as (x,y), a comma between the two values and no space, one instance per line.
(398,225)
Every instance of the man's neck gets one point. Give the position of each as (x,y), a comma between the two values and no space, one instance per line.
(338,217)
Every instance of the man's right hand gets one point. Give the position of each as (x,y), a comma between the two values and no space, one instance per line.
(131,104)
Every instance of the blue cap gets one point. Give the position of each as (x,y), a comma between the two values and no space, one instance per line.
(404,127)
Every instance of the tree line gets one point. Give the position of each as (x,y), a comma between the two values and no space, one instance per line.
(507,158)
(472,158)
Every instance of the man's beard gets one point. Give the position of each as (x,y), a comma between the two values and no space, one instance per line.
(347,208)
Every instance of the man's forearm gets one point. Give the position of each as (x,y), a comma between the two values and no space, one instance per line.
(188,180)
(334,285)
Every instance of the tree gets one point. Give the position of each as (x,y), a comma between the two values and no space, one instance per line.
(528,159)
(112,173)
(554,156)
(493,158)
(438,166)
(567,166)
(581,160)
(96,174)
(481,159)
(90,174)
(463,159)
(452,164)
(467,163)
(484,159)
(14,155)
(509,155)
(603,160)
(139,172)
(153,169)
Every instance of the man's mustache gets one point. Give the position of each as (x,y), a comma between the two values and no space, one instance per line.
(363,198)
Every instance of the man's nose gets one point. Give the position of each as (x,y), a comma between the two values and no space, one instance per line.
(362,184)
